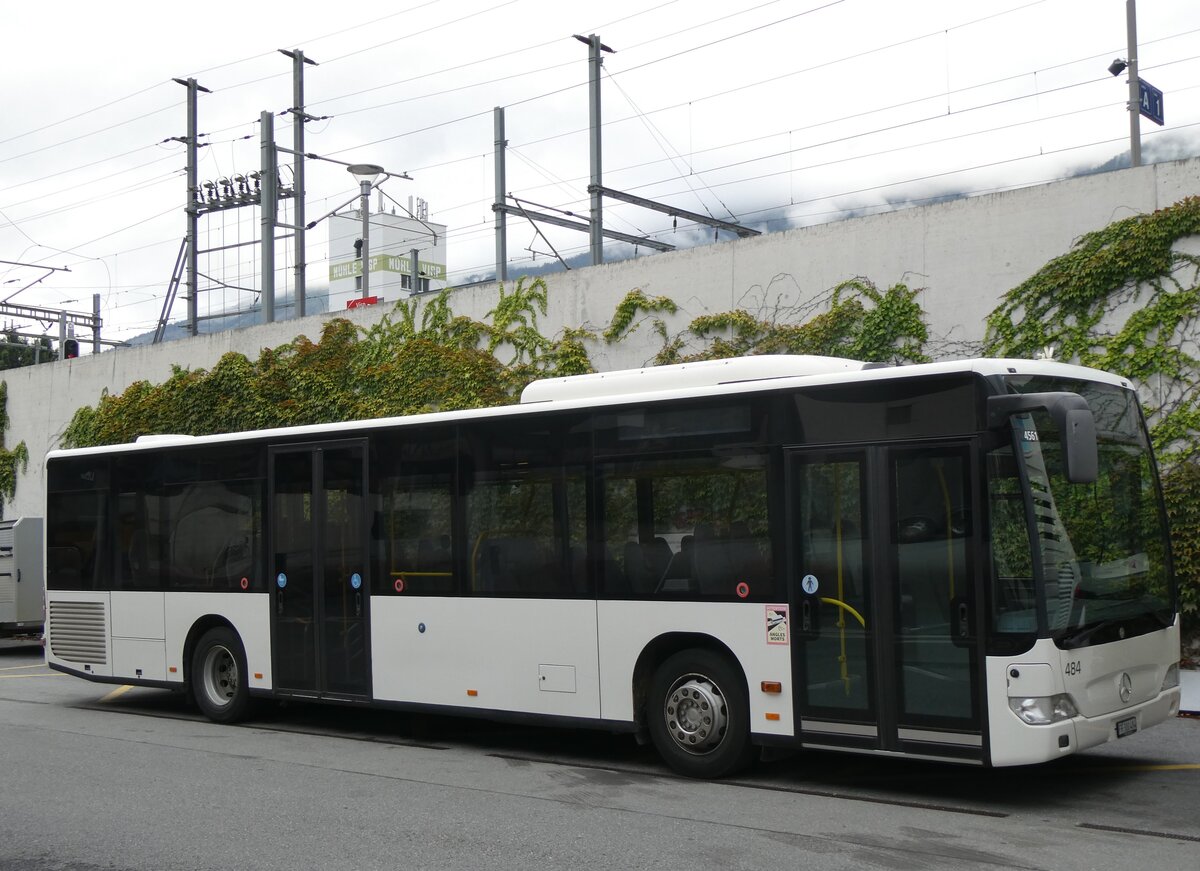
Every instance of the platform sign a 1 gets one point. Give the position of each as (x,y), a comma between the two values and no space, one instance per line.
(1150,101)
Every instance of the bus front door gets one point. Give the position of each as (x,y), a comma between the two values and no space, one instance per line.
(883,587)
(319,569)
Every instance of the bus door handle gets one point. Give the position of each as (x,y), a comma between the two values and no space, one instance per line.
(809,624)
(963,631)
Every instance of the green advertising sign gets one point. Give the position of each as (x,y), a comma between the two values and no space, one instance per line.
(400,264)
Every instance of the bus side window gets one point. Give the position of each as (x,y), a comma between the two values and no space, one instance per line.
(525,507)
(76,545)
(688,527)
(414,537)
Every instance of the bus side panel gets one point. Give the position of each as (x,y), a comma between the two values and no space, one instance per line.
(529,655)
(77,631)
(627,627)
(248,613)
(138,635)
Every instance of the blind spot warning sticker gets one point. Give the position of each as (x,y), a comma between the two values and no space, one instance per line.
(777,624)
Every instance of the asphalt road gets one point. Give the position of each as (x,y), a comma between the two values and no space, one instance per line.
(102,777)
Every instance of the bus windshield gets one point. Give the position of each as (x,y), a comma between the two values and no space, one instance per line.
(1099,562)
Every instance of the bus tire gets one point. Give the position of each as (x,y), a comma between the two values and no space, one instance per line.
(699,715)
(219,679)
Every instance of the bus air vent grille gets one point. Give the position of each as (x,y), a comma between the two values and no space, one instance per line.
(77,632)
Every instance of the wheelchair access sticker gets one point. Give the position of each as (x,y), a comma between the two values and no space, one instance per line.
(777,624)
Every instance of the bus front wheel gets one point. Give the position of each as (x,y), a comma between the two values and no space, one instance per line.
(219,682)
(699,715)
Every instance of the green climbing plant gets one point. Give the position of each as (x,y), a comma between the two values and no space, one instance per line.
(10,460)
(855,320)
(625,320)
(1125,299)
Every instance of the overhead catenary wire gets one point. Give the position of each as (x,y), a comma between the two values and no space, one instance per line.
(841,140)
(83,112)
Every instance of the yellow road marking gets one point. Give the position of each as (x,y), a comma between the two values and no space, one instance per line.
(119,691)
(20,667)
(1181,766)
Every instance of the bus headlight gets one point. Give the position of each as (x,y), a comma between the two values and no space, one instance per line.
(1171,678)
(1043,710)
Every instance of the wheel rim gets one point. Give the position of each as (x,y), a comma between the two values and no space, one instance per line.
(219,676)
(696,714)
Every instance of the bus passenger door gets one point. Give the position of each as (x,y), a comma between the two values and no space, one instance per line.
(883,585)
(319,569)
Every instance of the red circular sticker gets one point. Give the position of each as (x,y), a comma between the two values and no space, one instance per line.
(399,585)
(743,590)
(245,583)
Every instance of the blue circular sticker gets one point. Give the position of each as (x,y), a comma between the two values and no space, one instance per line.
(281,580)
(809,584)
(356,580)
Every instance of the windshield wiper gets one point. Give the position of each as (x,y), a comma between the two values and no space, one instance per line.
(1083,635)
(1080,637)
(1164,617)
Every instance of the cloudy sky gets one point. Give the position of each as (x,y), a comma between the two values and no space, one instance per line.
(764,113)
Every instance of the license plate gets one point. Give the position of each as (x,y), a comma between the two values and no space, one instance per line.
(1126,727)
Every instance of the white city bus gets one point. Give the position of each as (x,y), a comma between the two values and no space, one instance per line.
(960,561)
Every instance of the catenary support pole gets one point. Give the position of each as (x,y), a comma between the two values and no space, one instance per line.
(501,192)
(299,118)
(193,214)
(268,204)
(596,236)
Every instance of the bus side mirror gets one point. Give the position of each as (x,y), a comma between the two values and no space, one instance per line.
(1080,456)
(1073,418)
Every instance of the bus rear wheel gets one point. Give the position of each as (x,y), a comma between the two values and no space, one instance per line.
(219,676)
(699,715)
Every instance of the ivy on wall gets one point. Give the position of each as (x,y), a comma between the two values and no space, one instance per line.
(420,357)
(860,323)
(10,461)
(1125,299)
(1181,490)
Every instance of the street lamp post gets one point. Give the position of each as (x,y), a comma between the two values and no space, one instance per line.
(366,173)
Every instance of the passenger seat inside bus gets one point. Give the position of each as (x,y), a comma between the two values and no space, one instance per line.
(646,564)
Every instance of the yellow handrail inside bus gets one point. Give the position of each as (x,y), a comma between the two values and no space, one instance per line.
(840,604)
